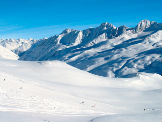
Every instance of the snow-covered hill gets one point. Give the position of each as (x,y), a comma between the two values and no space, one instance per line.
(17,45)
(52,91)
(7,54)
(105,50)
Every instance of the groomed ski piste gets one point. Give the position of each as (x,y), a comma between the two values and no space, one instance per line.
(52,91)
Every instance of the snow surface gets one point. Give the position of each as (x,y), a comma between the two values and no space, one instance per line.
(52,91)
(7,54)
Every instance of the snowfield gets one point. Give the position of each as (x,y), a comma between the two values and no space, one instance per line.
(7,54)
(52,91)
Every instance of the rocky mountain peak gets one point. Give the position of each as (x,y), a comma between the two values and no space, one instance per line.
(67,30)
(107,25)
(142,25)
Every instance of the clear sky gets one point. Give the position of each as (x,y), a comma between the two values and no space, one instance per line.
(44,18)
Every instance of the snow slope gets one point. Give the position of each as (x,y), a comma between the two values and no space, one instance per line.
(105,50)
(48,91)
(7,54)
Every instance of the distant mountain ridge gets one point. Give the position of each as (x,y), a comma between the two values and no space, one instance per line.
(17,45)
(105,50)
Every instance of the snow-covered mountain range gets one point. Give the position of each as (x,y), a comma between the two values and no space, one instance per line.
(105,50)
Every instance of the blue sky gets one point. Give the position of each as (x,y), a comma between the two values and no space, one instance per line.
(44,18)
